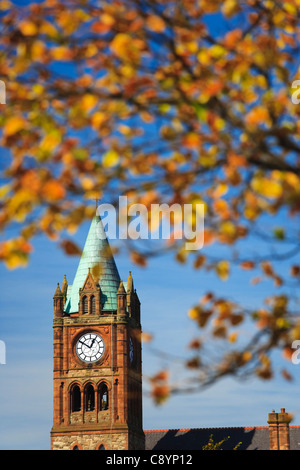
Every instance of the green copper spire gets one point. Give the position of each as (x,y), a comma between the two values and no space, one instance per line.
(96,254)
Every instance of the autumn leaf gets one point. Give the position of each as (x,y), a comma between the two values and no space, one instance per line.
(53,190)
(110,158)
(223,269)
(15,252)
(146,337)
(266,187)
(155,23)
(13,125)
(247,265)
(70,248)
(28,28)
(138,259)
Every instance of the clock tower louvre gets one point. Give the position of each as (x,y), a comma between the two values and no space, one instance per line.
(97,372)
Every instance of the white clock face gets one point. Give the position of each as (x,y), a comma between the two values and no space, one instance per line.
(90,347)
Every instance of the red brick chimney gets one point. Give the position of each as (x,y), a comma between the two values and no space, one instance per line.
(279,433)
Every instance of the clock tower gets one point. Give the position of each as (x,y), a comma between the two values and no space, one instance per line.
(97,373)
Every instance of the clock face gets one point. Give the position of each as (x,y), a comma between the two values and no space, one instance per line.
(90,347)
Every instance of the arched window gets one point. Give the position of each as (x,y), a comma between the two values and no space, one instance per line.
(85,305)
(93,305)
(75,448)
(76,399)
(103,397)
(101,447)
(89,398)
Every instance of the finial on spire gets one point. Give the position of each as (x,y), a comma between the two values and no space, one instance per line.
(58,292)
(130,283)
(64,286)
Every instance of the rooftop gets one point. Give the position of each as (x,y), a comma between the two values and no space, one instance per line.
(96,254)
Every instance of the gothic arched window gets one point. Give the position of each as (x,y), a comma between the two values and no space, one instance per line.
(85,305)
(103,397)
(89,398)
(75,398)
(93,305)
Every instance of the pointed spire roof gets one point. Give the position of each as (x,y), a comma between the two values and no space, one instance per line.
(121,289)
(58,292)
(97,256)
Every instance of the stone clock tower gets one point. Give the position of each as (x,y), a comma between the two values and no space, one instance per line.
(97,374)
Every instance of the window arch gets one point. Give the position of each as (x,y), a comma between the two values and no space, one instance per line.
(101,447)
(75,398)
(93,305)
(76,446)
(103,397)
(89,398)
(85,305)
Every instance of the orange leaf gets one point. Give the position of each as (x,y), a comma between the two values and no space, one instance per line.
(70,248)
(199,261)
(138,259)
(54,191)
(247,265)
(232,38)
(155,23)
(13,125)
(28,28)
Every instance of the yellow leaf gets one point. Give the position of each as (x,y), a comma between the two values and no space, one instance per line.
(217,51)
(4,190)
(228,228)
(98,119)
(5,5)
(266,187)
(38,50)
(230,8)
(292,9)
(120,43)
(50,141)
(220,190)
(203,57)
(48,29)
(232,337)
(61,53)
(88,102)
(246,356)
(14,125)
(91,50)
(28,28)
(126,47)
(222,269)
(110,158)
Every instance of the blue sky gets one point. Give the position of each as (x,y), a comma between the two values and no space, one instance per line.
(166,290)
